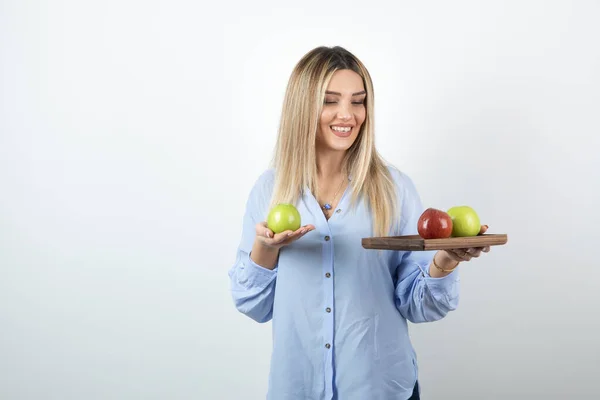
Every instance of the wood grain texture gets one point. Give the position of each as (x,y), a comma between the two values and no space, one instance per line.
(417,243)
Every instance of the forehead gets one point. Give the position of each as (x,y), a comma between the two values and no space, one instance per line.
(345,80)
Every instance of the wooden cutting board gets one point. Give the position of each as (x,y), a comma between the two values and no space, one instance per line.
(417,243)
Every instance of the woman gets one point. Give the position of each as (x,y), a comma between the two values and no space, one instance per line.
(339,312)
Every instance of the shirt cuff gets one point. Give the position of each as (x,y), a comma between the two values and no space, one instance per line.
(253,274)
(445,287)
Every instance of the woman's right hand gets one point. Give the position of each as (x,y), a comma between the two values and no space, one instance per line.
(269,239)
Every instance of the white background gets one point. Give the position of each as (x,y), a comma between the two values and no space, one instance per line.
(131,133)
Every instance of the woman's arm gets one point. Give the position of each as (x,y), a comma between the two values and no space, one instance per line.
(252,285)
(423,292)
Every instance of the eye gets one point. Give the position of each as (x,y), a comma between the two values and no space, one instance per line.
(358,103)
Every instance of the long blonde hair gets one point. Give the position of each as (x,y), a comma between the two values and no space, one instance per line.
(295,155)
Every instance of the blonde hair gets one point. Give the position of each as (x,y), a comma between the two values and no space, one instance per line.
(294,160)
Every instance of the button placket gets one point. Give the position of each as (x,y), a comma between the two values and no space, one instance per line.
(328,320)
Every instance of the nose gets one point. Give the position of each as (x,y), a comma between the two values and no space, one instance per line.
(344,113)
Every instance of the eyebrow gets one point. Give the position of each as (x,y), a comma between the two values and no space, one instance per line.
(339,94)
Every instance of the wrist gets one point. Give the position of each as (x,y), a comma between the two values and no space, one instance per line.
(443,264)
(264,255)
(445,261)
(264,247)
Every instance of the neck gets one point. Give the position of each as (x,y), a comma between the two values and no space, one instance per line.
(329,165)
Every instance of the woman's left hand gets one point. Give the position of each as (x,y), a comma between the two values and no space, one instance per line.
(467,253)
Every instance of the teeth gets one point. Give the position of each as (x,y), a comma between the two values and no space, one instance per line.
(341,129)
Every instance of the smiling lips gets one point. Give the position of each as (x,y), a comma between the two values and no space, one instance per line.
(341,130)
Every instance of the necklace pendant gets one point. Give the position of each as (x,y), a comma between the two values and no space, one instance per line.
(327,206)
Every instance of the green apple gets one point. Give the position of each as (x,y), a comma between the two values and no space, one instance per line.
(465,221)
(283,217)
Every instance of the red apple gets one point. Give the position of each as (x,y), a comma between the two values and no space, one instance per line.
(434,224)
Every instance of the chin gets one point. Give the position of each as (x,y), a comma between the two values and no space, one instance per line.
(341,146)
(336,143)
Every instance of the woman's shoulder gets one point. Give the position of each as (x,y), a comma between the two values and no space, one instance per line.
(266,177)
(264,183)
(403,182)
(260,192)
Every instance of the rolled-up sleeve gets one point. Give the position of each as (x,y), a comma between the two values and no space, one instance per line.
(253,286)
(420,297)
(252,275)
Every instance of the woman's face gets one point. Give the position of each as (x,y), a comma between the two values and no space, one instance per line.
(343,112)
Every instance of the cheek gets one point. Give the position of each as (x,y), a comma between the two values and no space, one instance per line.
(326,118)
(360,116)
(323,124)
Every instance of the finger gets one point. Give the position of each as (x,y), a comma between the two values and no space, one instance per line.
(486,249)
(263,231)
(474,251)
(293,235)
(463,254)
(483,229)
(458,255)
(303,230)
(272,239)
(283,236)
(298,231)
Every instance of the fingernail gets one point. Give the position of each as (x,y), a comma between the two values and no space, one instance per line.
(268,234)
(290,234)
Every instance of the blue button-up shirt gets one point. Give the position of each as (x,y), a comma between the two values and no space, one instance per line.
(339,312)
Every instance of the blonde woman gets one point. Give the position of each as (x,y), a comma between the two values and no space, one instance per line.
(339,312)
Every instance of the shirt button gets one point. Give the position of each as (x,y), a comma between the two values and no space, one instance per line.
(327,275)
(328,309)
(328,345)
(339,210)
(327,238)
